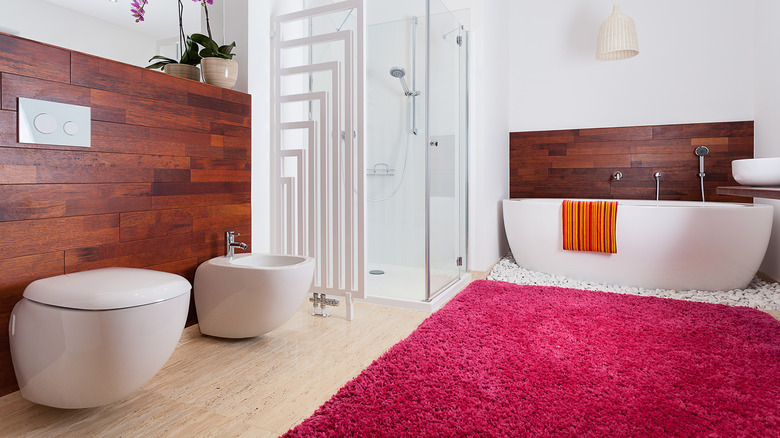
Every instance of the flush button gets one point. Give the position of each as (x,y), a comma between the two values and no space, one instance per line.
(54,123)
(71,128)
(45,123)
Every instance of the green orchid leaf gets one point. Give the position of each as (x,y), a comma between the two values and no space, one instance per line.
(201,39)
(227,49)
(162,62)
(190,55)
(209,45)
(162,58)
(159,65)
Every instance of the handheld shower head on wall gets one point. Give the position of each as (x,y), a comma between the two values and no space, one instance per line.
(397,72)
(400,72)
(700,152)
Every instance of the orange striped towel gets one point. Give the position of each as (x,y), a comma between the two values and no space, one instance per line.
(589,226)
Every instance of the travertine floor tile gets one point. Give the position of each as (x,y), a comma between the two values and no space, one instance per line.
(258,387)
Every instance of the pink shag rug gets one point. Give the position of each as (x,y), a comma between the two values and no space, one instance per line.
(507,360)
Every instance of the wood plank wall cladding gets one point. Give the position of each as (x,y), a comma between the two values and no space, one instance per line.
(579,163)
(167,174)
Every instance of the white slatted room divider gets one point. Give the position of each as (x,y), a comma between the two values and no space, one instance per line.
(317,155)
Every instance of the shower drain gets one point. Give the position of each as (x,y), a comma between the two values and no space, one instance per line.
(376,272)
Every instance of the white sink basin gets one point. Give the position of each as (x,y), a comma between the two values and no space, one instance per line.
(757,171)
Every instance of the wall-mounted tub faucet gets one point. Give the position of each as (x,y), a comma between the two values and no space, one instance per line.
(657,177)
(231,244)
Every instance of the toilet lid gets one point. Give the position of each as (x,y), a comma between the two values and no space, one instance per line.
(108,288)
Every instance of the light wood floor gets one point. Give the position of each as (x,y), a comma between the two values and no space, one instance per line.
(258,387)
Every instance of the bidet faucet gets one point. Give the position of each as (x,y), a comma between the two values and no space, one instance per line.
(231,244)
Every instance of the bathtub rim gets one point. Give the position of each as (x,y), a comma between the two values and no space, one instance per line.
(645,203)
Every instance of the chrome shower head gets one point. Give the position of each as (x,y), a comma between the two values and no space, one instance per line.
(397,72)
(400,72)
(700,152)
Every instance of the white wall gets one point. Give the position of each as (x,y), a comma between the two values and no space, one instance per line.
(767,97)
(259,86)
(695,64)
(238,31)
(45,22)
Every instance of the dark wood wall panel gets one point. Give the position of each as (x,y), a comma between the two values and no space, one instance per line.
(579,163)
(167,174)
(46,62)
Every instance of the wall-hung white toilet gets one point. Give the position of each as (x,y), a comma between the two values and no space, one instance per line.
(91,338)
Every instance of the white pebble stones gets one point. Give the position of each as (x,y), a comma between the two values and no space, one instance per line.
(759,294)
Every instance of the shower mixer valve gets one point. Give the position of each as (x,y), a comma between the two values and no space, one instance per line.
(319,302)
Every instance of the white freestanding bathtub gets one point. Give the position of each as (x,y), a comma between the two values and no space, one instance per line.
(679,245)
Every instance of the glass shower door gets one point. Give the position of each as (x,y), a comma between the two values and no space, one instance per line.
(395,159)
(445,191)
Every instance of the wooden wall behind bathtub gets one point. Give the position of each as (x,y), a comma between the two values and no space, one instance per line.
(579,163)
(168,172)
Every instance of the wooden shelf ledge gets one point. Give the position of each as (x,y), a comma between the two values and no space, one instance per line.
(751,192)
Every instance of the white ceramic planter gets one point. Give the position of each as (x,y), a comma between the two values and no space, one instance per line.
(183,71)
(219,71)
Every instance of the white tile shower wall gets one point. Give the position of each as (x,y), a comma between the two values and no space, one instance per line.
(395,222)
(396,225)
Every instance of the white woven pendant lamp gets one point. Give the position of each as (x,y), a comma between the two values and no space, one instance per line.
(617,37)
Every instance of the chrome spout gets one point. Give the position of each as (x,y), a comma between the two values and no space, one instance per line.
(231,244)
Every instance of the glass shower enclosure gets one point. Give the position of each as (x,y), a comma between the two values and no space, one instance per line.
(415,151)
(402,157)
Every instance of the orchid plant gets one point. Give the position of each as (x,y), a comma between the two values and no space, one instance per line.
(190,54)
(210,48)
(189,51)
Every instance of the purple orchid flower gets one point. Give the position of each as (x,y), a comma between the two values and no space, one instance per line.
(137,9)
